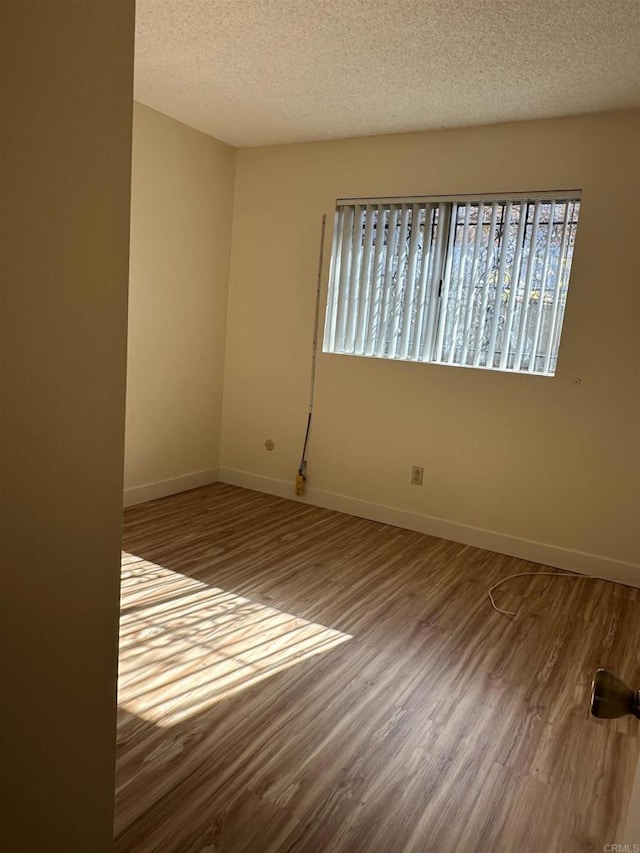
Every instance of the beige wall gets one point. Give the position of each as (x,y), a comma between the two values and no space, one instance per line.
(181,212)
(530,457)
(67,74)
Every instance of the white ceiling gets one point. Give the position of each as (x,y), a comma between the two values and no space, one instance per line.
(258,72)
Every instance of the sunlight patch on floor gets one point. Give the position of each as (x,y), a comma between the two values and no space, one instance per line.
(185,645)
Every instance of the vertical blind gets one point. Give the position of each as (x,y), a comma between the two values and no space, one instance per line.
(477,283)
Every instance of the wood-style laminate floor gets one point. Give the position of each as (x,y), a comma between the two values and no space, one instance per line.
(294,679)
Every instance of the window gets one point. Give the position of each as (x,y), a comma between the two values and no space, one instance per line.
(469,282)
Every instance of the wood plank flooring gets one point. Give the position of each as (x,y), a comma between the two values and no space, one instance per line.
(294,679)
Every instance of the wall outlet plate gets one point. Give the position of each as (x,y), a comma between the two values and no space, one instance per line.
(416,475)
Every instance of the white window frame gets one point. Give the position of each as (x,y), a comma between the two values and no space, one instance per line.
(452,293)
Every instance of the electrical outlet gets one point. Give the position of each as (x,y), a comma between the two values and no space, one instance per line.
(416,475)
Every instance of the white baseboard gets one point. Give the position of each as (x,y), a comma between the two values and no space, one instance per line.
(151,491)
(525,549)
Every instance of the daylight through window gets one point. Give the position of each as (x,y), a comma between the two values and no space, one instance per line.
(469,282)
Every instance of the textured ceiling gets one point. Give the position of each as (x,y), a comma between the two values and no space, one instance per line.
(257,72)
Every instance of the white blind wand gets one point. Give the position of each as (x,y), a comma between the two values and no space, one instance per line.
(302,468)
